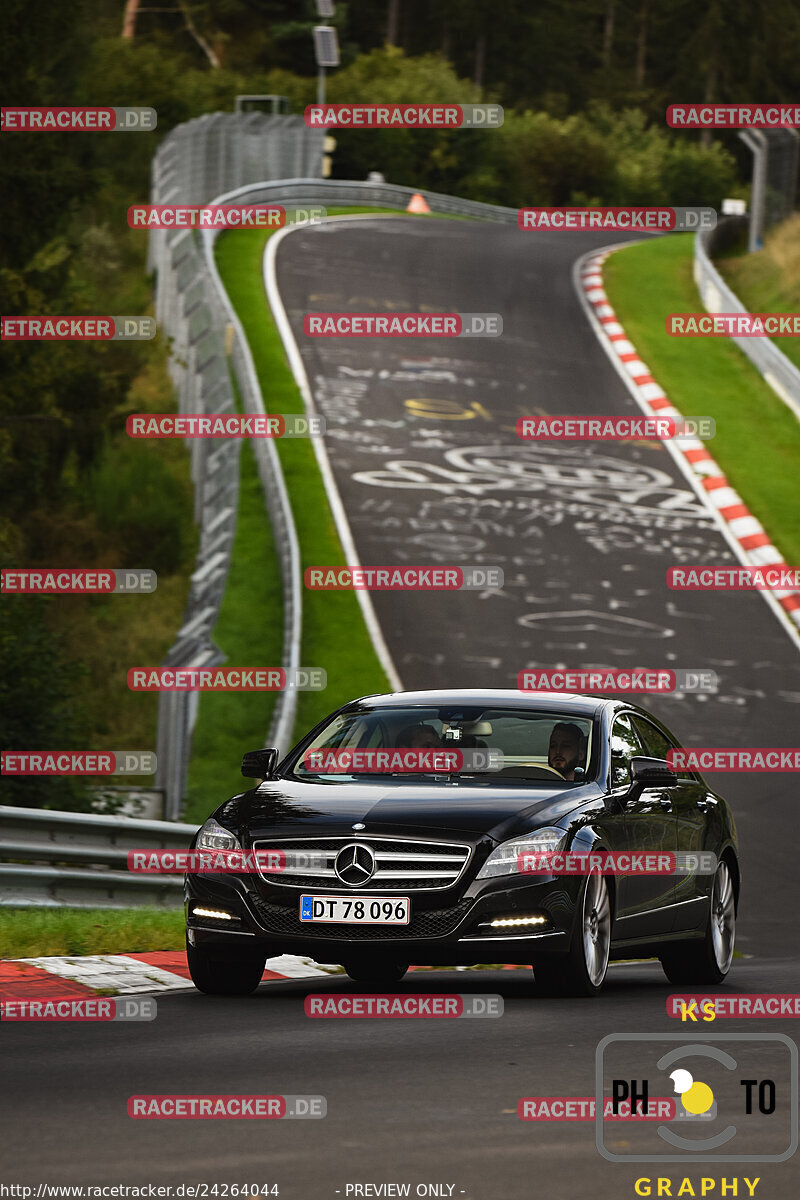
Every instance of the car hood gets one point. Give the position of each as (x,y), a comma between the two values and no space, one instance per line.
(291,808)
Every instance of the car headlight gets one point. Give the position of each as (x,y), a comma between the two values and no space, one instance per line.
(505,859)
(212,836)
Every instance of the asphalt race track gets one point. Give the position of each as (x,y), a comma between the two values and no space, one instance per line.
(409,1101)
(423,448)
(584,531)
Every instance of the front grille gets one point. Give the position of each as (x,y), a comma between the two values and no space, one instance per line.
(438,922)
(402,864)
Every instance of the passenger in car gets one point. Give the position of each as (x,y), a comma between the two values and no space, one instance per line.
(566,749)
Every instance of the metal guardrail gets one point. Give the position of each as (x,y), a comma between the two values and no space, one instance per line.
(50,858)
(192,166)
(777,370)
(344,193)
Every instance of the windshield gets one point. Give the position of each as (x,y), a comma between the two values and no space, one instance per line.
(442,741)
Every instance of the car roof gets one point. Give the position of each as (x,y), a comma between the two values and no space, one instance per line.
(556,702)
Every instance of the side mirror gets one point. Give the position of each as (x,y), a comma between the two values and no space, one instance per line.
(652,772)
(260,764)
(645,773)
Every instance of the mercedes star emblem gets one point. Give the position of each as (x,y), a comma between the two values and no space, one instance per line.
(355,864)
(358,825)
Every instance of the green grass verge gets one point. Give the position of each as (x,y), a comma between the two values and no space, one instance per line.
(249,631)
(769,280)
(758,438)
(35,932)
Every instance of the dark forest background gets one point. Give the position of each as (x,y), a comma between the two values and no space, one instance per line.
(584,84)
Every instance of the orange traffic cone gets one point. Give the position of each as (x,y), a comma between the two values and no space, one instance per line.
(418,204)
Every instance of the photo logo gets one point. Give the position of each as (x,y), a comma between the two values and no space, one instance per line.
(736,1096)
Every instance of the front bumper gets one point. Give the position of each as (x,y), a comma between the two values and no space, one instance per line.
(446,928)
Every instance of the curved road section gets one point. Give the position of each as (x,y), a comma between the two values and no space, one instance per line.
(424,452)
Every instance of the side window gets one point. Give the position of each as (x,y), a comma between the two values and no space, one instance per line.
(624,747)
(656,743)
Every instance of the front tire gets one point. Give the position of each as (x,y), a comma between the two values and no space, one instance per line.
(582,971)
(709,959)
(224,974)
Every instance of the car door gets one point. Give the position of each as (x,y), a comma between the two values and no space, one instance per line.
(693,805)
(644,902)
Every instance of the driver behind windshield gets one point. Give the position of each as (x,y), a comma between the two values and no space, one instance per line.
(566,749)
(418,737)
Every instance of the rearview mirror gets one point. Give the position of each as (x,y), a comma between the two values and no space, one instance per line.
(260,764)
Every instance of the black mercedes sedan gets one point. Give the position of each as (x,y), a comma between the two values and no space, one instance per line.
(402,828)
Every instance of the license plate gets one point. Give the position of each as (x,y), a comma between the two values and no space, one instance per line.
(360,910)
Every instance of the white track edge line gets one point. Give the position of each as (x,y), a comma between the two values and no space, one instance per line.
(323,461)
